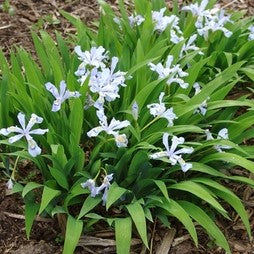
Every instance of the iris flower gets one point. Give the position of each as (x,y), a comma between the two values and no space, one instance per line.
(161,22)
(60,96)
(210,19)
(96,190)
(190,46)
(222,134)
(174,72)
(25,131)
(136,20)
(202,108)
(172,155)
(106,83)
(159,110)
(112,128)
(94,57)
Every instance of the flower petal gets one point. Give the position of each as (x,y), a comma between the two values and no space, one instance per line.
(39,131)
(15,138)
(95,132)
(4,132)
(22,121)
(33,148)
(33,120)
(62,88)
(156,156)
(223,134)
(51,88)
(56,105)
(121,140)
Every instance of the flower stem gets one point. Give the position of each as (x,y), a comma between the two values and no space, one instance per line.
(150,123)
(14,168)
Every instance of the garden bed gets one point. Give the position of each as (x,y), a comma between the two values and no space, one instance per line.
(46,235)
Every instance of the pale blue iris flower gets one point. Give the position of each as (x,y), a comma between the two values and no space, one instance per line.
(136,20)
(96,190)
(222,134)
(172,155)
(159,110)
(202,108)
(190,46)
(161,22)
(106,83)
(95,57)
(135,110)
(209,19)
(112,128)
(251,34)
(25,131)
(174,72)
(61,95)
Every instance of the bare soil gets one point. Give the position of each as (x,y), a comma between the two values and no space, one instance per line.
(15,29)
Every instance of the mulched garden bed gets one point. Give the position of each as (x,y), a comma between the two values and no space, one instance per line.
(46,235)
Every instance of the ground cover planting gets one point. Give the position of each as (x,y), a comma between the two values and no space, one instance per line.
(144,117)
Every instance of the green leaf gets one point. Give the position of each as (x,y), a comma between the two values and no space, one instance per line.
(123,230)
(230,158)
(76,122)
(17,188)
(199,191)
(177,211)
(29,187)
(31,209)
(60,178)
(73,231)
(163,188)
(207,223)
(47,195)
(208,90)
(229,197)
(114,193)
(138,216)
(57,210)
(88,205)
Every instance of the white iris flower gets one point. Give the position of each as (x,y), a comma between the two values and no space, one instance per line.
(94,57)
(213,19)
(112,128)
(222,134)
(106,83)
(196,9)
(190,46)
(25,131)
(251,34)
(159,110)
(61,95)
(161,22)
(202,108)
(9,184)
(174,72)
(135,110)
(172,155)
(96,190)
(136,20)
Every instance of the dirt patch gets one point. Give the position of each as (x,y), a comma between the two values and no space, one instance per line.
(12,228)
(21,16)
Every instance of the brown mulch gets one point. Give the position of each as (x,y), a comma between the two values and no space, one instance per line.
(46,236)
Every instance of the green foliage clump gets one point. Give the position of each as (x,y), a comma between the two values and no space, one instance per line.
(146,120)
